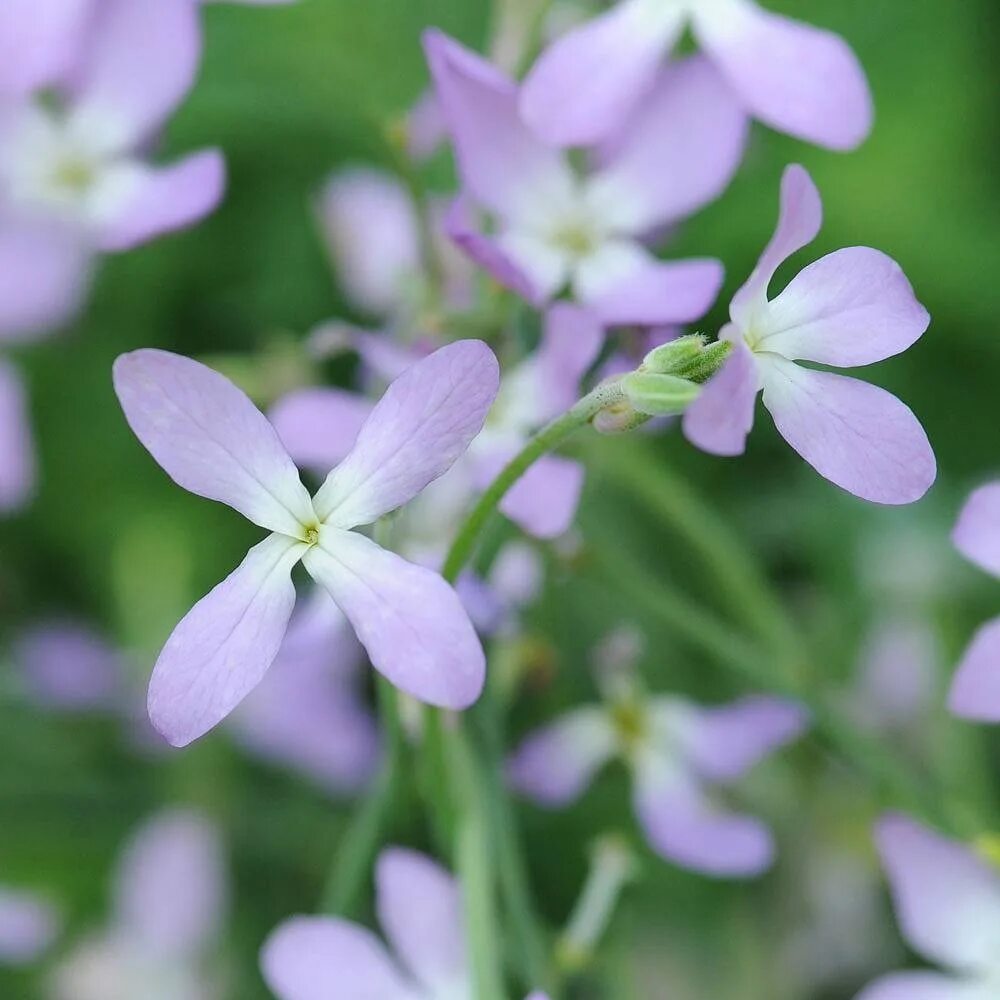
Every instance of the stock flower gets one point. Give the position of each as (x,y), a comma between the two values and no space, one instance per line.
(169,895)
(794,77)
(420,909)
(553,229)
(853,307)
(947,901)
(213,441)
(28,926)
(975,691)
(679,755)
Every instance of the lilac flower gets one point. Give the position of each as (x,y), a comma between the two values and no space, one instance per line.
(852,307)
(795,78)
(975,691)
(420,909)
(213,441)
(679,755)
(553,229)
(29,925)
(168,901)
(947,900)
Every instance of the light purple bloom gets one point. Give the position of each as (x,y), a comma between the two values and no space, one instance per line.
(29,925)
(795,78)
(17,450)
(947,901)
(214,442)
(852,307)
(552,229)
(975,691)
(680,756)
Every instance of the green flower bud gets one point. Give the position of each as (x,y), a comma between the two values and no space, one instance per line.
(667,358)
(659,395)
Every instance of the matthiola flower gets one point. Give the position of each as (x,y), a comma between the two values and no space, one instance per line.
(213,441)
(975,691)
(29,925)
(852,307)
(169,894)
(947,901)
(420,909)
(680,756)
(552,229)
(795,78)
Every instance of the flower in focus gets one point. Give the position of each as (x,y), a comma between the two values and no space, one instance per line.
(680,756)
(794,77)
(975,691)
(852,307)
(553,229)
(214,442)
(947,901)
(29,925)
(169,896)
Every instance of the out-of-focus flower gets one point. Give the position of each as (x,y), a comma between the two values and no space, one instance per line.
(680,756)
(852,307)
(947,901)
(553,229)
(975,691)
(29,924)
(794,77)
(17,451)
(307,713)
(214,442)
(169,896)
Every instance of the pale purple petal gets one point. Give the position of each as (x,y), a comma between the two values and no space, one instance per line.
(408,618)
(677,153)
(975,689)
(319,426)
(572,338)
(323,958)
(799,223)
(420,909)
(426,129)
(140,62)
(170,886)
(17,451)
(924,986)
(857,435)
(852,307)
(28,926)
(684,826)
(543,502)
(423,423)
(501,163)
(977,533)
(555,764)
(210,439)
(586,83)
(947,899)
(516,574)
(796,78)
(720,419)
(223,646)
(38,42)
(166,199)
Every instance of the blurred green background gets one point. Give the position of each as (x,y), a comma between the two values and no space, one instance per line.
(290,93)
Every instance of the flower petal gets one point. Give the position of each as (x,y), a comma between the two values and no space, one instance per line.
(975,689)
(676,154)
(38,42)
(29,925)
(852,307)
(585,84)
(720,419)
(17,452)
(420,909)
(170,885)
(977,533)
(947,899)
(319,426)
(796,78)
(799,223)
(408,618)
(423,423)
(923,986)
(572,338)
(166,199)
(140,62)
(223,646)
(858,436)
(210,439)
(543,502)
(555,764)
(502,164)
(323,958)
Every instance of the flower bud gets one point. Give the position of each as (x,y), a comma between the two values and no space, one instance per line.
(669,357)
(659,395)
